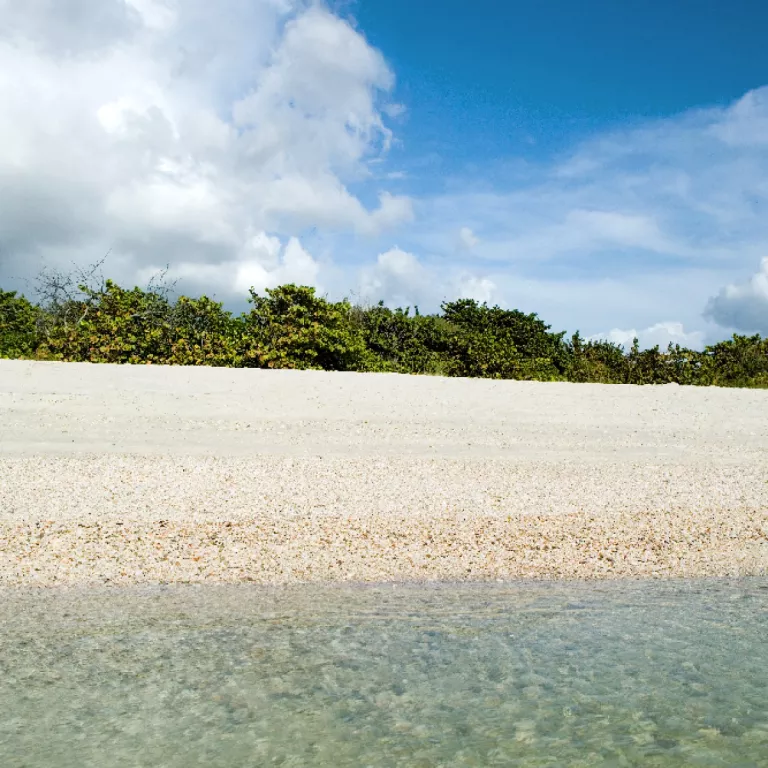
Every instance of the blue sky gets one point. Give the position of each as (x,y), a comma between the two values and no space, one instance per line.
(488,80)
(604,164)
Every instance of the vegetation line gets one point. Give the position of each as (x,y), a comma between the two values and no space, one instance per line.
(79,318)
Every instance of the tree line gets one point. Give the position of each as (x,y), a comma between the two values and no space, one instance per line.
(82,320)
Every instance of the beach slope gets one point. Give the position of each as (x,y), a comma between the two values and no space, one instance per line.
(145,474)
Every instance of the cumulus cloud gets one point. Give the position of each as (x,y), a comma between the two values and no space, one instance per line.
(400,278)
(742,306)
(481,289)
(177,132)
(264,262)
(746,122)
(69,27)
(661,334)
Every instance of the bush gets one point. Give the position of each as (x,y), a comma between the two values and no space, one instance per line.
(502,344)
(739,362)
(599,362)
(291,327)
(201,332)
(85,318)
(109,325)
(404,343)
(18,326)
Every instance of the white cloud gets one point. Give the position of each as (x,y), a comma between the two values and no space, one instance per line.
(155,14)
(656,214)
(400,278)
(172,131)
(392,210)
(661,334)
(480,289)
(746,122)
(601,229)
(319,91)
(743,306)
(394,110)
(67,27)
(264,262)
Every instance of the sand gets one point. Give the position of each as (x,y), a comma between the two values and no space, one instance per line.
(148,474)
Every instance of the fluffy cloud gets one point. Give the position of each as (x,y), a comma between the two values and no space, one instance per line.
(264,262)
(400,278)
(746,122)
(661,334)
(69,27)
(179,132)
(744,306)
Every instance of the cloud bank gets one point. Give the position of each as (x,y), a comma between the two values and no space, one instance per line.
(743,306)
(247,143)
(184,132)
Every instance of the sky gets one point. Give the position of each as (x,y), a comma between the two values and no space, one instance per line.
(602,164)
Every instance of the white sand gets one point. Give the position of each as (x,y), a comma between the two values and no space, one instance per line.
(155,474)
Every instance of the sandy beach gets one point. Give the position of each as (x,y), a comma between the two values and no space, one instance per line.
(118,475)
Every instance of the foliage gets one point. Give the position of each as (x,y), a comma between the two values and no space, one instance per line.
(201,332)
(739,362)
(109,325)
(599,362)
(502,344)
(18,325)
(113,325)
(291,327)
(83,317)
(405,343)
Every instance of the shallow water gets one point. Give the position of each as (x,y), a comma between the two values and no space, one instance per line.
(617,674)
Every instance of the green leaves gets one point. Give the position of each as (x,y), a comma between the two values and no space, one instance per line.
(292,327)
(399,342)
(740,362)
(18,325)
(491,342)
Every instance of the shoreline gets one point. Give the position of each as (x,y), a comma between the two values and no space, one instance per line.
(142,475)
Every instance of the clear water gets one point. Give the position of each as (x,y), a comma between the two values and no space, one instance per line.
(622,674)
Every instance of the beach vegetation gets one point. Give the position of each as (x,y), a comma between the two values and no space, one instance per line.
(85,318)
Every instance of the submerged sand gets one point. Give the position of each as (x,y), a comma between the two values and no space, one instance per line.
(118,474)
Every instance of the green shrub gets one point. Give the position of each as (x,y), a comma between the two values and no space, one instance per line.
(502,344)
(291,327)
(201,332)
(598,362)
(109,325)
(738,362)
(405,343)
(18,325)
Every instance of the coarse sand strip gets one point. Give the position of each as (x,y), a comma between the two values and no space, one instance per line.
(375,548)
(146,474)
